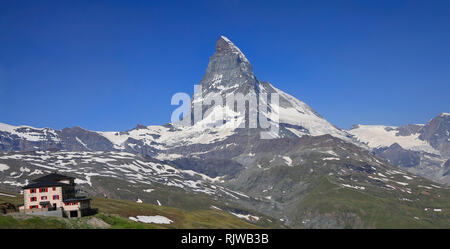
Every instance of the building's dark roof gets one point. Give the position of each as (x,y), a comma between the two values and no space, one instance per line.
(42,184)
(53,177)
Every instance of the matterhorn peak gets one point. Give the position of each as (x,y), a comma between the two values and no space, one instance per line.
(226,46)
(230,73)
(228,69)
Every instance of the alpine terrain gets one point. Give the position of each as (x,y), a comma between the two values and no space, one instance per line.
(422,149)
(312,175)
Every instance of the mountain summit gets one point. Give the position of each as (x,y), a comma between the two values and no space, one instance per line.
(312,175)
(228,70)
(225,46)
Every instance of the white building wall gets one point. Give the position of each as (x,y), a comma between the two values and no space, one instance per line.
(27,195)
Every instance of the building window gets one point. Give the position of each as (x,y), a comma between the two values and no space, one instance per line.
(32,191)
(53,188)
(43,197)
(43,190)
(56,197)
(34,206)
(33,199)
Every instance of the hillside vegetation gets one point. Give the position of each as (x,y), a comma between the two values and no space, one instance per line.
(115,214)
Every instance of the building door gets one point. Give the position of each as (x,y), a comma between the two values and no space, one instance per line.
(73,214)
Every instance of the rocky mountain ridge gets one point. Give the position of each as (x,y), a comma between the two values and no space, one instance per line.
(422,149)
(312,174)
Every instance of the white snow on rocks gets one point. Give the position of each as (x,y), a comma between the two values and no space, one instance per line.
(87,181)
(235,48)
(3,167)
(384,136)
(157,219)
(353,187)
(129,167)
(247,216)
(36,172)
(146,171)
(162,137)
(300,114)
(288,160)
(30,133)
(81,142)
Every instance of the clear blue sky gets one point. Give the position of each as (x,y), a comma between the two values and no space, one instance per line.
(109,65)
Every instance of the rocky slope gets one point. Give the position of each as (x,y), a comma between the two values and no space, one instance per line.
(419,149)
(311,175)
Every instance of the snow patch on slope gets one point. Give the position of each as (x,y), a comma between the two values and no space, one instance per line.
(3,167)
(380,136)
(30,133)
(300,114)
(157,219)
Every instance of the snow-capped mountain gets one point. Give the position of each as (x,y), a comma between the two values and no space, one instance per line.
(229,71)
(422,149)
(283,177)
(18,168)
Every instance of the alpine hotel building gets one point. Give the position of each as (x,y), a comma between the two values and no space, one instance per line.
(54,192)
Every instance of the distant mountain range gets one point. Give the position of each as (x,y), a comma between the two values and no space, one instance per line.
(313,175)
(422,149)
